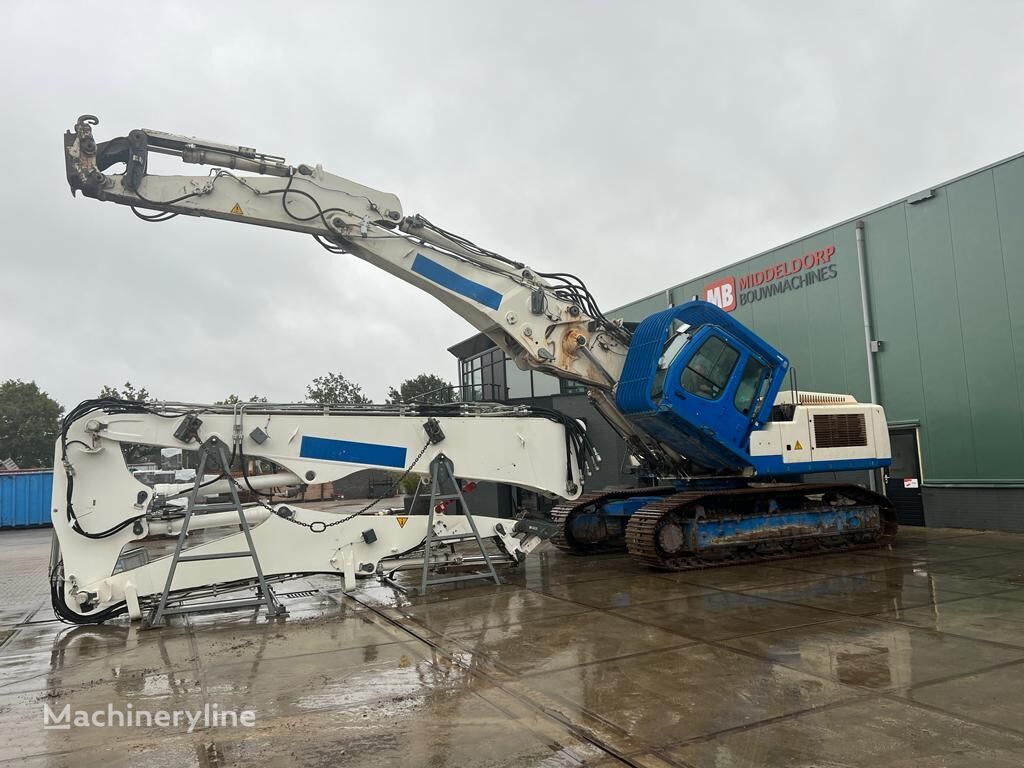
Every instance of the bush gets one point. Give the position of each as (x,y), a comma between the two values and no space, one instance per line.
(408,485)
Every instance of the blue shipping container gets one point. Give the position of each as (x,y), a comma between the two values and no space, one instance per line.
(25,498)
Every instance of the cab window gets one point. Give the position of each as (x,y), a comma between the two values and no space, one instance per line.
(679,334)
(750,388)
(709,369)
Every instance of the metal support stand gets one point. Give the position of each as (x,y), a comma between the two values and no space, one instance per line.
(442,478)
(213,453)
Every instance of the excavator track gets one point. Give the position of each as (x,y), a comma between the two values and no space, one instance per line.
(563,514)
(654,533)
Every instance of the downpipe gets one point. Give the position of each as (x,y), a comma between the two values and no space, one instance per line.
(869,341)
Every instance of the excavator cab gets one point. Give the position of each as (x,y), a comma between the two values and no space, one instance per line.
(700,382)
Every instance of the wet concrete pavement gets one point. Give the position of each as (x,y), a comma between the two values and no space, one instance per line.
(911,656)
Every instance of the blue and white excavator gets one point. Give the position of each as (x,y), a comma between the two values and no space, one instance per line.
(698,398)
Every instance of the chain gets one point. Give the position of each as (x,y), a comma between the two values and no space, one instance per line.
(318,526)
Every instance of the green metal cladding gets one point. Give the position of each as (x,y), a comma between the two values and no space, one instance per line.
(946,285)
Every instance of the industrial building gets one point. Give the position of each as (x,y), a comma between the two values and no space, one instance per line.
(941,291)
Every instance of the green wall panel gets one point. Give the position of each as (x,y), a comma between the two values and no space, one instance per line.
(1008,181)
(822,319)
(891,287)
(790,313)
(950,448)
(985,326)
(855,355)
(634,313)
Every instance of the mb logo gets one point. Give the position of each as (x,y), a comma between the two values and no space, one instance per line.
(721,293)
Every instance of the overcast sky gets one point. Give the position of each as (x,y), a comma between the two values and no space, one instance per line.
(635,144)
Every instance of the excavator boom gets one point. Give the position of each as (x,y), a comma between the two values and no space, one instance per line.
(547,322)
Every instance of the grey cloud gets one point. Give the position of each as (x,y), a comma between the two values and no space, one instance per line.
(633,144)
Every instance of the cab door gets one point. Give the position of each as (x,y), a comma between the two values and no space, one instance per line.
(752,379)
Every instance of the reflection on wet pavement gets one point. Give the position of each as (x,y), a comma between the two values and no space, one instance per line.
(910,656)
(863,734)
(994,618)
(874,654)
(855,595)
(667,696)
(619,593)
(543,646)
(723,614)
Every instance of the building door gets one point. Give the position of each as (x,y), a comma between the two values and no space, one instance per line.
(903,480)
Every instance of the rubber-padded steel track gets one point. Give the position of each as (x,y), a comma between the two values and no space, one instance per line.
(646,542)
(562,516)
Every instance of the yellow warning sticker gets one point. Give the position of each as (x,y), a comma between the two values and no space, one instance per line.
(402,521)
(237,210)
(797,446)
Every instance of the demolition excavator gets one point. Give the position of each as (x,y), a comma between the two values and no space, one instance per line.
(699,399)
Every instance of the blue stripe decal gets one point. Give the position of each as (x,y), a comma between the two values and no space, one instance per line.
(454,282)
(351,452)
(774,465)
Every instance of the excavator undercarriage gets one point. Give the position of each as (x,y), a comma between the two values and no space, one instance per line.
(674,528)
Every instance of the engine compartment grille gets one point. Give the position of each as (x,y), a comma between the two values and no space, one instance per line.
(839,430)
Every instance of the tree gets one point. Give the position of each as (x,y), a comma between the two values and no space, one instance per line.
(29,422)
(335,388)
(128,392)
(235,400)
(425,388)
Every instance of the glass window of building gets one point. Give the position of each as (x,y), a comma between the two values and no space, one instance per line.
(483,376)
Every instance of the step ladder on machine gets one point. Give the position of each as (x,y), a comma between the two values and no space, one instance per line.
(445,487)
(213,454)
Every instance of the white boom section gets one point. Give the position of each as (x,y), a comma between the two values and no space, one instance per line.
(309,444)
(535,320)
